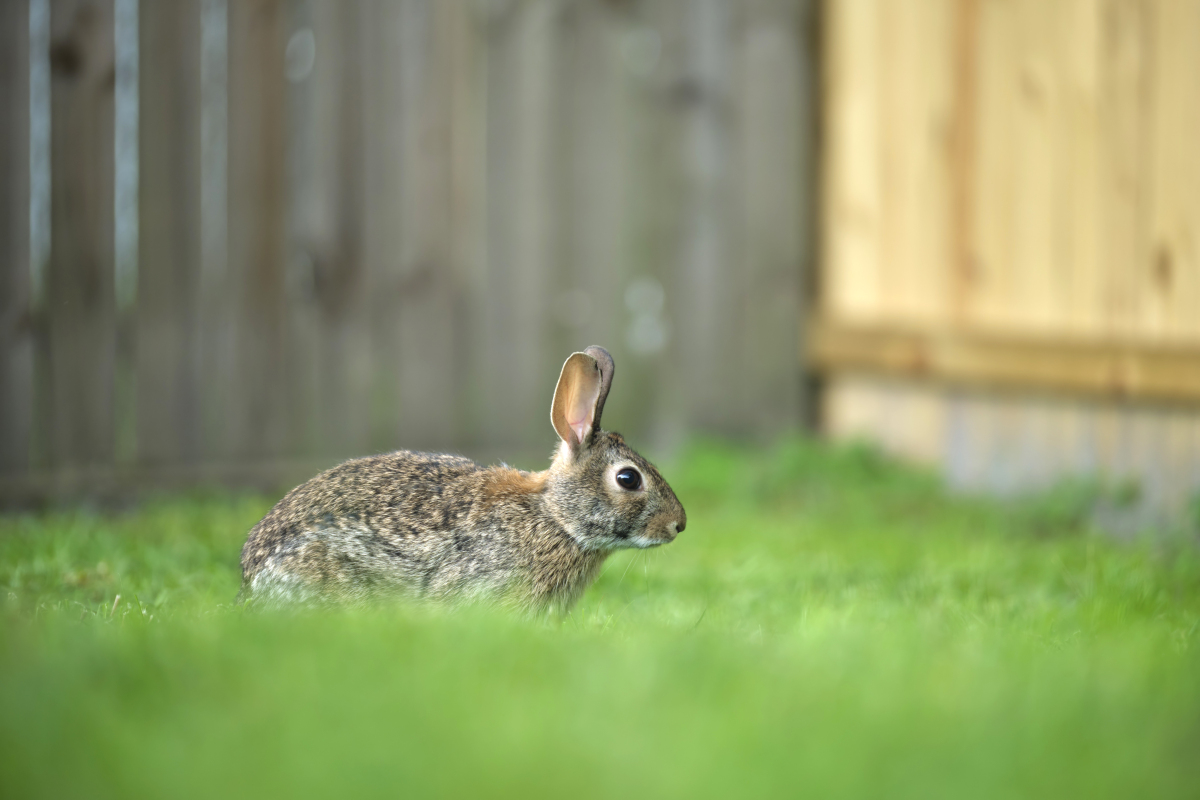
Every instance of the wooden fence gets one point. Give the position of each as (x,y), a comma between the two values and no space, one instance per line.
(363,225)
(1011,237)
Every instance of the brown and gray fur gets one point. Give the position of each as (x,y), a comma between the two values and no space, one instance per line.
(444,528)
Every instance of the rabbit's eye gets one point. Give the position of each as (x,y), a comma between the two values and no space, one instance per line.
(629,479)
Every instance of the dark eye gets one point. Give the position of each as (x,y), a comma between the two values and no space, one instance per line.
(629,479)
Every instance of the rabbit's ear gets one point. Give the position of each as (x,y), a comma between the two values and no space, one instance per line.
(580,395)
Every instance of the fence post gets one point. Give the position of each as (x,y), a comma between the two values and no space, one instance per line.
(80,295)
(16,346)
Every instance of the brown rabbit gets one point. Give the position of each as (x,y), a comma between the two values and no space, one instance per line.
(445,528)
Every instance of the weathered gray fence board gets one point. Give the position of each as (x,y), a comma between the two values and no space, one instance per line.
(709,312)
(655,215)
(80,292)
(216,329)
(304,328)
(257,418)
(516,368)
(591,265)
(167,356)
(16,339)
(774,105)
(466,90)
(383,176)
(329,234)
(422,208)
(424,281)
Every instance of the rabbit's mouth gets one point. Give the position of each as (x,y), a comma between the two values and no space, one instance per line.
(666,535)
(646,542)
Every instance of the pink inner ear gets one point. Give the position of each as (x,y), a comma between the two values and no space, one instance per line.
(583,405)
(580,429)
(579,414)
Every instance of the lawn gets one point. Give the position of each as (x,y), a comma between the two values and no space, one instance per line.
(829,624)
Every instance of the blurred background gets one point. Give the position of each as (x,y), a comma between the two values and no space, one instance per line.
(243,239)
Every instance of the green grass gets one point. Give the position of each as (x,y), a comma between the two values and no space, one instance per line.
(828,625)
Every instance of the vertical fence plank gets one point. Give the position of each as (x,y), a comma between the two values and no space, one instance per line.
(710,315)
(80,291)
(646,54)
(426,277)
(1123,43)
(595,264)
(256,422)
(330,219)
(1077,195)
(850,194)
(916,65)
(1173,261)
(774,100)
(382,179)
(215,329)
(168,386)
(586,185)
(988,277)
(1034,266)
(467,96)
(962,152)
(1066,291)
(16,344)
(666,224)
(304,321)
(513,365)
(410,152)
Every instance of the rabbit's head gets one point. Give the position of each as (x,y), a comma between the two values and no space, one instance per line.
(606,495)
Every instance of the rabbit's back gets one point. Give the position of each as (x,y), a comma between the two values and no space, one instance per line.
(381,524)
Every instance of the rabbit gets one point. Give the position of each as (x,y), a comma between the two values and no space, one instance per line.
(446,529)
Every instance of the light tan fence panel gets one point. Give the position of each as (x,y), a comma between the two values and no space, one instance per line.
(1047,253)
(852,206)
(1173,202)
